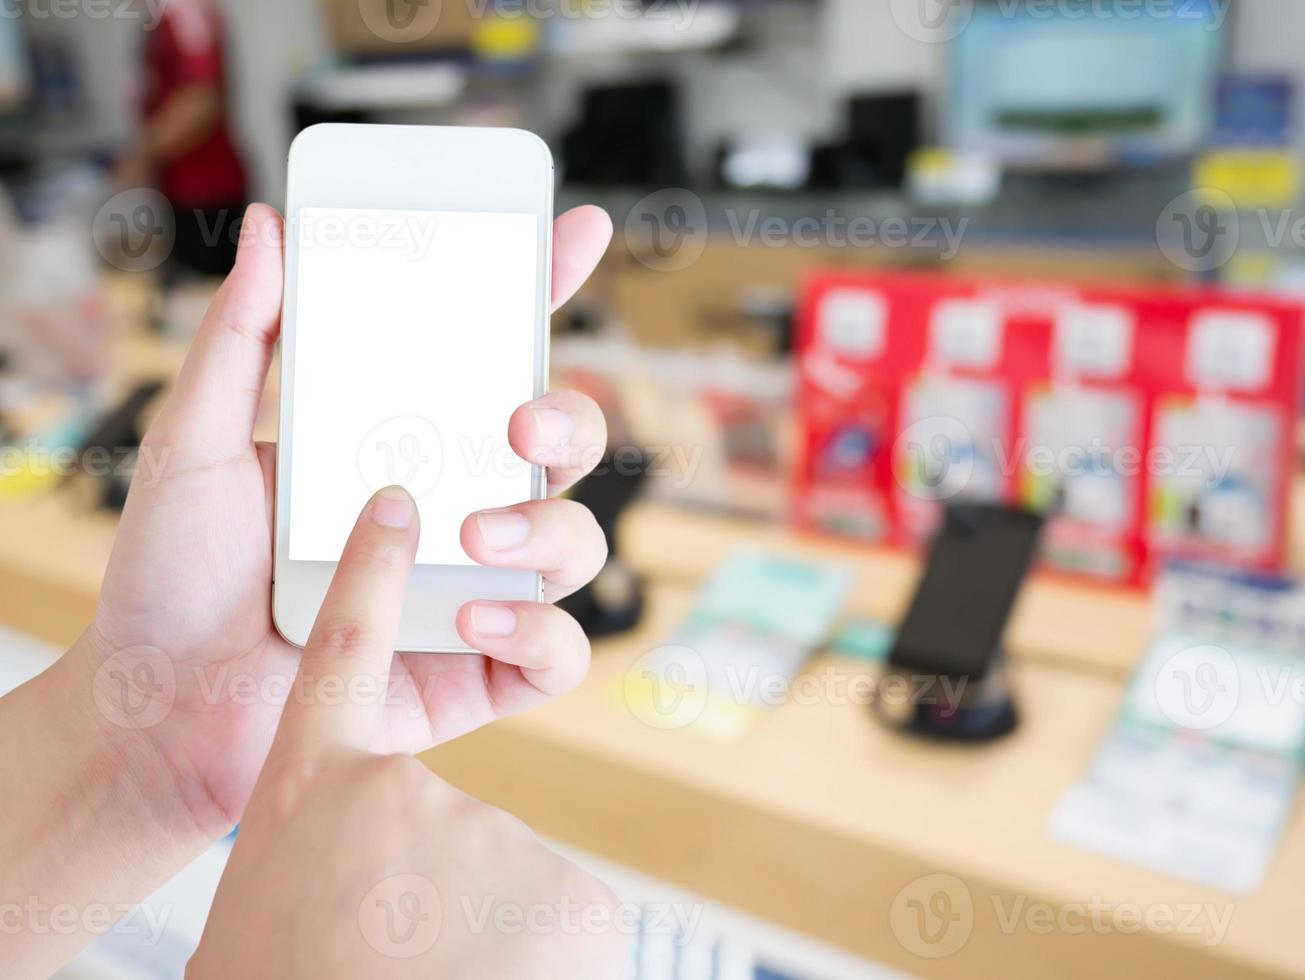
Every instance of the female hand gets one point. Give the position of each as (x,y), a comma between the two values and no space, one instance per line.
(353,864)
(183,655)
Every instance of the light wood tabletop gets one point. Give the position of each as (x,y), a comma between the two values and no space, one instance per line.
(827,823)
(819,820)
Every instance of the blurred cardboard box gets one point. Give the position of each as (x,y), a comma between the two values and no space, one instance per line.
(715,297)
(387,26)
(709,300)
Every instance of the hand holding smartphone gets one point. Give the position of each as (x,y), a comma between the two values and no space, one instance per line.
(189,587)
(417,294)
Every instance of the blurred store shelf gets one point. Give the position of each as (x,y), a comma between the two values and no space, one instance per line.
(380,87)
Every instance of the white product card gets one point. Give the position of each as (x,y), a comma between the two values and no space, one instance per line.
(1231,350)
(1094,341)
(966,333)
(853,322)
(1245,697)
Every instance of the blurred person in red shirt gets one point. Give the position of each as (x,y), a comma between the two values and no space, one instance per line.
(185,147)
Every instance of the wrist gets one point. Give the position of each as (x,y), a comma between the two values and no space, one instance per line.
(114,706)
(89,819)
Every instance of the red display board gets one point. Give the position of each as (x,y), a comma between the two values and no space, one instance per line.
(1145,423)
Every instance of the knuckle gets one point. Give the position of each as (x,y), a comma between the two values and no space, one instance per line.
(580,522)
(291,783)
(375,556)
(339,636)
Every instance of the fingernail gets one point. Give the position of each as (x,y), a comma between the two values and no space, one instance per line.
(503,529)
(489,620)
(393,507)
(555,427)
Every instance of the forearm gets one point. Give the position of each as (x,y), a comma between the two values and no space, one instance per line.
(90,821)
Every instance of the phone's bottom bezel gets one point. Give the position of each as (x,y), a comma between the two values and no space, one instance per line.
(428,622)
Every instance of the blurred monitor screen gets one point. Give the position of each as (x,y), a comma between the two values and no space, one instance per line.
(1079,83)
(14,77)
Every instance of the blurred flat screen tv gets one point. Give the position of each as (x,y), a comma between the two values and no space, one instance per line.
(1080,84)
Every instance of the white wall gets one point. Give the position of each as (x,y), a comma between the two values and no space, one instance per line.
(275,41)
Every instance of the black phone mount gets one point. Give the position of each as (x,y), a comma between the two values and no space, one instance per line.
(947,675)
(120,430)
(962,708)
(613,601)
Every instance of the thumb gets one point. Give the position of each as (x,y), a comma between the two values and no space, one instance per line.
(211,413)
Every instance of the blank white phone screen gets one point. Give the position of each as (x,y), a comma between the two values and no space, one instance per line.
(414,341)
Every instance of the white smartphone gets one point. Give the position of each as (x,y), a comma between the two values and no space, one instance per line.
(418,273)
